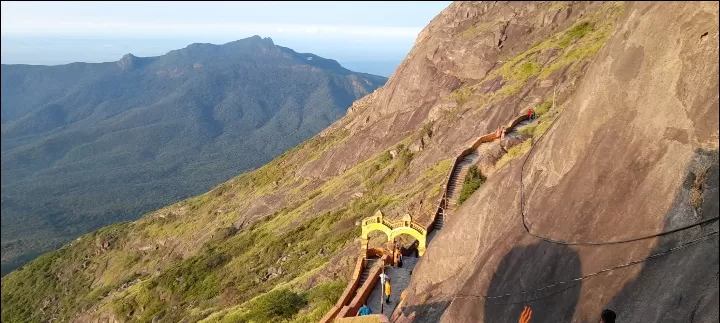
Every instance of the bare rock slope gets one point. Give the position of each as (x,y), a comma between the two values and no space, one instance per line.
(632,151)
(633,154)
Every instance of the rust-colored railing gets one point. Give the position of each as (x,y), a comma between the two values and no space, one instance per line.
(345,306)
(443,202)
(364,291)
(347,294)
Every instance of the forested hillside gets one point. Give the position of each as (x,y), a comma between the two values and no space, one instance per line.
(86,145)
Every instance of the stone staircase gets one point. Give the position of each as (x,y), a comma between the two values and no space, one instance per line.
(439,221)
(445,209)
(369,263)
(457,178)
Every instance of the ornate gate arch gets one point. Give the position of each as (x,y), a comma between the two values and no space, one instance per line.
(406,225)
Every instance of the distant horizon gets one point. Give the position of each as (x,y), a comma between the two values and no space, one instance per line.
(368,37)
(382,67)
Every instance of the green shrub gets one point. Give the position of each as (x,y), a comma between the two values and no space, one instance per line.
(328,292)
(427,129)
(528,130)
(517,151)
(276,305)
(462,95)
(235,318)
(576,32)
(526,70)
(543,108)
(473,180)
(385,158)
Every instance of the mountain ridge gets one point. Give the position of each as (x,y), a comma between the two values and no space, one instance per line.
(154,117)
(281,242)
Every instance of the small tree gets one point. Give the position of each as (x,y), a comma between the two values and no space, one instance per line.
(473,180)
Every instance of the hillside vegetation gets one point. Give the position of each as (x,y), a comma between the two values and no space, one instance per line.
(86,145)
(278,244)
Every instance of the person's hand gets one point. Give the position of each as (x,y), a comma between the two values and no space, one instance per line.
(526,314)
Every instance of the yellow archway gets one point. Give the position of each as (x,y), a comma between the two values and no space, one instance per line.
(378,222)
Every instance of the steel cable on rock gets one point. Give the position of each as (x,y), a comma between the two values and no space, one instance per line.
(579,279)
(576,243)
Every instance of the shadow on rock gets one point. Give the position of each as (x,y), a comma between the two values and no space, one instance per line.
(525,277)
(681,286)
(429,312)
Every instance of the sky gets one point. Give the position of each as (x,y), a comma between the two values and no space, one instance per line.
(351,32)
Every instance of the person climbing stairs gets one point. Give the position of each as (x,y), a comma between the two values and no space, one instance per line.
(388,291)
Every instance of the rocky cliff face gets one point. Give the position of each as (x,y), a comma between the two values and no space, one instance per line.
(456,69)
(633,154)
(635,136)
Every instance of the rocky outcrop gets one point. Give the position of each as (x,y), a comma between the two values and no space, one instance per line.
(458,48)
(633,152)
(621,162)
(130,62)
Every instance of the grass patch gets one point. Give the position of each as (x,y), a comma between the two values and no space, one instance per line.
(584,38)
(542,127)
(582,52)
(474,30)
(440,169)
(523,71)
(528,130)
(275,305)
(543,108)
(461,95)
(319,145)
(508,90)
(557,5)
(284,305)
(513,153)
(577,31)
(536,129)
(473,180)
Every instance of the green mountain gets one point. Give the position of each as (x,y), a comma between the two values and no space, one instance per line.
(607,199)
(86,145)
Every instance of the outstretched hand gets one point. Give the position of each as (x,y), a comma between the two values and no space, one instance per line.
(526,314)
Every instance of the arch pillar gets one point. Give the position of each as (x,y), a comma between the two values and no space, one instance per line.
(364,247)
(405,226)
(407,219)
(421,248)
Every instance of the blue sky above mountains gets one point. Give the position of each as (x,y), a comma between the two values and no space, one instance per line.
(64,32)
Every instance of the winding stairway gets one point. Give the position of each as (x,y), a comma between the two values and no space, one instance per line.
(369,264)
(457,177)
(439,221)
(357,291)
